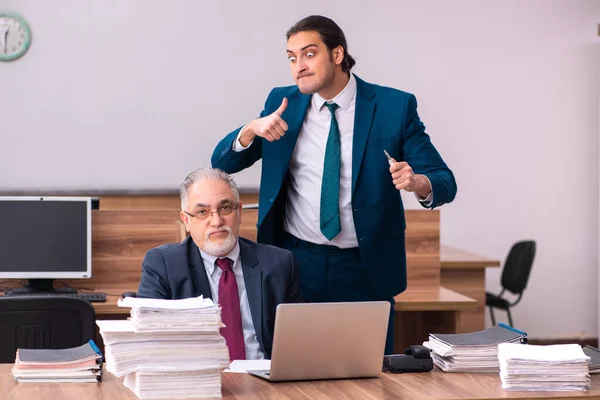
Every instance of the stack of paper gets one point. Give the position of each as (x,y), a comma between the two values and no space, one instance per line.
(168,348)
(471,352)
(555,367)
(77,364)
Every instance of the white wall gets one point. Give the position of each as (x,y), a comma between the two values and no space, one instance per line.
(133,95)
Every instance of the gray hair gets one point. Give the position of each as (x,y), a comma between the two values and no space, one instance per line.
(206,173)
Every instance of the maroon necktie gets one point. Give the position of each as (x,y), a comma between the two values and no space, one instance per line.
(229,299)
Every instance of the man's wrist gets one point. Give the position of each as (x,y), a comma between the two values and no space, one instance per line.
(424,186)
(246,135)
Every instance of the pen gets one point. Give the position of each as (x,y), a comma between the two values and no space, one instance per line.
(512,329)
(390,159)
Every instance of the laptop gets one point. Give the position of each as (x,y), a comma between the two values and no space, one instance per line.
(328,341)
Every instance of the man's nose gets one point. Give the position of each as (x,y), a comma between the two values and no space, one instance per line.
(215,219)
(300,67)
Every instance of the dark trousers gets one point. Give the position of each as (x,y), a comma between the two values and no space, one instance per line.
(331,274)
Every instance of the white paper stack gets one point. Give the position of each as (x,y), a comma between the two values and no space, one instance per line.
(155,315)
(151,385)
(168,348)
(548,368)
(471,352)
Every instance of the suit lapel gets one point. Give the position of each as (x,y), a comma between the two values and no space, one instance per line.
(365,109)
(253,280)
(197,270)
(294,116)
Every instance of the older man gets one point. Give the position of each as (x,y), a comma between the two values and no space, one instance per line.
(247,279)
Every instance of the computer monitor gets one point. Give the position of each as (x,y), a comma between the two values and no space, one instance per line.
(45,238)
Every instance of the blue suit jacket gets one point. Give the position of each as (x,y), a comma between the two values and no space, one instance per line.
(385,119)
(176,271)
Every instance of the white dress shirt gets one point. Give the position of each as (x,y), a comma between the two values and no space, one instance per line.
(303,207)
(302,212)
(253,351)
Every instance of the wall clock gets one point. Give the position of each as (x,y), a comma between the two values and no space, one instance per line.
(15,36)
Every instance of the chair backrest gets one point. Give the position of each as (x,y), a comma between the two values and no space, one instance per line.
(35,322)
(517,266)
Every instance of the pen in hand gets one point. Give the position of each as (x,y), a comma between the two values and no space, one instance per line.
(404,178)
(391,161)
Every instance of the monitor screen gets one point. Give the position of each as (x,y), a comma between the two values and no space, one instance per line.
(45,237)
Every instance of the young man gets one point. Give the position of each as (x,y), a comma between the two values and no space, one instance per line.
(327,191)
(247,279)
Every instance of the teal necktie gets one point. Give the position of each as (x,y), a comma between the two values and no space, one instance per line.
(330,187)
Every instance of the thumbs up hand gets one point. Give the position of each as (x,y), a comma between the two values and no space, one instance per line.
(272,127)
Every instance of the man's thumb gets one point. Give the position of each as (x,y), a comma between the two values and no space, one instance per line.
(282,107)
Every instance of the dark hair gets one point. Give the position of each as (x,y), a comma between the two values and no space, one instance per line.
(331,34)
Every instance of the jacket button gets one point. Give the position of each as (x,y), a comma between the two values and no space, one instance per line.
(271,200)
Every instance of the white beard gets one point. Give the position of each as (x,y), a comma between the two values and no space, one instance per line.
(222,248)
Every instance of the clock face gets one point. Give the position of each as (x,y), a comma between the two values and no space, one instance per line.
(15,36)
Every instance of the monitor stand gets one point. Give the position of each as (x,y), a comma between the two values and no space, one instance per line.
(36,286)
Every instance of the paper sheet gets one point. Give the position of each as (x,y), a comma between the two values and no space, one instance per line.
(162,304)
(243,366)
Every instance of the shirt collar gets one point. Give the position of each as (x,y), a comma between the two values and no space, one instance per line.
(210,261)
(343,99)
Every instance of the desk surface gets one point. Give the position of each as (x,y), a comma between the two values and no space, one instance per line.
(413,299)
(451,257)
(432,385)
(432,299)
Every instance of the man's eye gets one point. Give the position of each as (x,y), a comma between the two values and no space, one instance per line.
(202,213)
(310,54)
(292,59)
(226,208)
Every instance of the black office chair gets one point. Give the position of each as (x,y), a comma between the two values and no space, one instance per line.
(515,275)
(32,322)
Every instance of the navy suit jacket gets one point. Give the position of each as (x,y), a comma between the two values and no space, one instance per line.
(176,271)
(385,119)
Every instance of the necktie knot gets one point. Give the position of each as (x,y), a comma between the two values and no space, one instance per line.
(332,107)
(224,264)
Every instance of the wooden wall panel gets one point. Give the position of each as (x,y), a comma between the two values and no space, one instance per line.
(142,202)
(423,247)
(155,202)
(470,282)
(120,240)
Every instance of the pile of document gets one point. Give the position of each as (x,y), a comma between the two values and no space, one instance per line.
(472,352)
(548,368)
(77,364)
(168,348)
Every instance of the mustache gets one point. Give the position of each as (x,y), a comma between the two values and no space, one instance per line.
(221,229)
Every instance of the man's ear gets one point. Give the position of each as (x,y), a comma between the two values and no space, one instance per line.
(338,55)
(186,221)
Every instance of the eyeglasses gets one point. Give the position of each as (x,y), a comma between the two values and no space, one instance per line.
(205,213)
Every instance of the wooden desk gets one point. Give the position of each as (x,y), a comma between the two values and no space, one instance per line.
(453,258)
(464,272)
(431,385)
(418,299)
(424,310)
